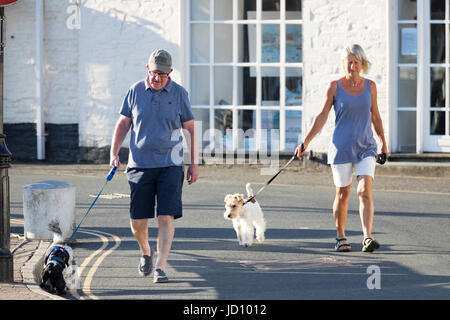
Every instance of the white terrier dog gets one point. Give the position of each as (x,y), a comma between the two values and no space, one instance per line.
(245,218)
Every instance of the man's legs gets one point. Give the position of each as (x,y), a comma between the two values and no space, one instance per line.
(166,233)
(139,228)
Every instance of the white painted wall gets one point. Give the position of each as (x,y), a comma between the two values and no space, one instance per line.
(328,27)
(89,69)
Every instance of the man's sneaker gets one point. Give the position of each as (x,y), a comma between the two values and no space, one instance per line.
(145,265)
(159,276)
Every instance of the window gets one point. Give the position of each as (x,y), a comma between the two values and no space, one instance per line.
(406,75)
(439,68)
(244,72)
(422,113)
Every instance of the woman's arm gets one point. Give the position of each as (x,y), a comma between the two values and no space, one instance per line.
(376,118)
(319,120)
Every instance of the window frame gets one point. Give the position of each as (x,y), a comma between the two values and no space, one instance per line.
(235,64)
(425,142)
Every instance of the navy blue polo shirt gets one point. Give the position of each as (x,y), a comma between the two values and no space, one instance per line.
(156,119)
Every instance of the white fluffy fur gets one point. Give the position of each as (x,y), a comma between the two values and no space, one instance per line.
(246,218)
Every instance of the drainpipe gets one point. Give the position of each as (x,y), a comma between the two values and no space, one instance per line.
(40,129)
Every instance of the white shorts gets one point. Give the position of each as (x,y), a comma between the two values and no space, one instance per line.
(342,173)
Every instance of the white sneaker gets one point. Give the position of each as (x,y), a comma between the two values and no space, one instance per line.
(160,276)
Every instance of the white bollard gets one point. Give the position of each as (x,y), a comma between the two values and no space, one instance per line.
(43,202)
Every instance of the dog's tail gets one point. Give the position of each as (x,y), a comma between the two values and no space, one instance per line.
(54,227)
(249,190)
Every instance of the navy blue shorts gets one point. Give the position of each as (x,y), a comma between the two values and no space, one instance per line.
(150,186)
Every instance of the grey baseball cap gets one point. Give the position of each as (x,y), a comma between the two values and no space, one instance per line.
(160,60)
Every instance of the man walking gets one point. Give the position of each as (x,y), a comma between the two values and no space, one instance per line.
(155,109)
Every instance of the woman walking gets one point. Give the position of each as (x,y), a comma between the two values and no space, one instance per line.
(353,146)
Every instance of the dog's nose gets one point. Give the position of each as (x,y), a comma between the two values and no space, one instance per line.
(229,216)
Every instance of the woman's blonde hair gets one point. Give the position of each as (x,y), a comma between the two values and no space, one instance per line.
(357,51)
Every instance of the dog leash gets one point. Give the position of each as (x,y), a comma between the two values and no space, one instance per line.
(108,178)
(273,177)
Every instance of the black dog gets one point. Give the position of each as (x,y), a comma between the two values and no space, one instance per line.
(55,263)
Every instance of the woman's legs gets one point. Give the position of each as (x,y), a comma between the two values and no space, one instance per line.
(340,206)
(366,208)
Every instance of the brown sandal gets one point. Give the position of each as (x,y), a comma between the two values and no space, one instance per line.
(342,245)
(370,244)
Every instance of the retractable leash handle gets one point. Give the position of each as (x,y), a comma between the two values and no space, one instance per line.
(108,178)
(111,173)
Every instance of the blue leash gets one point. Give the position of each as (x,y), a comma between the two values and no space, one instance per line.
(108,178)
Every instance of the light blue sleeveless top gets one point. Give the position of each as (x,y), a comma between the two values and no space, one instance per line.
(352,137)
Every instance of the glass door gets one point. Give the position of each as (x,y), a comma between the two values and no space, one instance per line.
(437,108)
(406,71)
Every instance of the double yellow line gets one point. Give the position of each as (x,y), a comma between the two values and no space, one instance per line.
(102,254)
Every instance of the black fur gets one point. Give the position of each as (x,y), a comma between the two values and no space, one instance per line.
(52,276)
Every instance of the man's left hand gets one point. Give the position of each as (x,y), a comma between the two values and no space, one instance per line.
(192,173)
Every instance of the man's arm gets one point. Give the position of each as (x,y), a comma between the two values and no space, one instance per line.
(192,173)
(120,132)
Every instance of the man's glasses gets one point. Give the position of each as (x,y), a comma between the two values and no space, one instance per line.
(161,75)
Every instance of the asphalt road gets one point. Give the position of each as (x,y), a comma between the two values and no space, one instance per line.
(297,260)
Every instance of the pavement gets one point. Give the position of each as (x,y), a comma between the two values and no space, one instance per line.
(28,254)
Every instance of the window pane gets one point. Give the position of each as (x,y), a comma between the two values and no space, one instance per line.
(293,9)
(407,43)
(437,87)
(437,9)
(407,131)
(293,129)
(223,121)
(293,87)
(199,9)
(247,122)
(244,6)
(200,85)
(200,42)
(437,122)
(246,43)
(223,85)
(270,125)
(246,85)
(270,119)
(270,82)
(271,5)
(437,43)
(407,86)
(223,43)
(407,10)
(223,10)
(270,43)
(201,117)
(293,43)
(251,41)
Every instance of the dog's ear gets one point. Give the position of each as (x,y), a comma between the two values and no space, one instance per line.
(239,198)
(228,196)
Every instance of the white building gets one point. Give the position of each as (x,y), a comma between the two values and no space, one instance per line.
(247,65)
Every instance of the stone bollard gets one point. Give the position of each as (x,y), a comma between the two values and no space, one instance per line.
(43,202)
